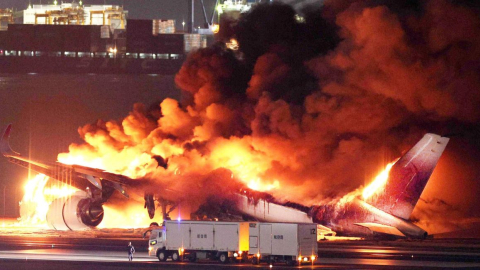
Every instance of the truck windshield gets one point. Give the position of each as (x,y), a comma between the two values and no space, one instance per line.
(156,234)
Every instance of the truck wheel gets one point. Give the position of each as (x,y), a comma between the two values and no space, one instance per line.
(175,257)
(162,256)
(254,260)
(223,258)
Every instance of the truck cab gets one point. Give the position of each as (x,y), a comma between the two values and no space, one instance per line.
(156,241)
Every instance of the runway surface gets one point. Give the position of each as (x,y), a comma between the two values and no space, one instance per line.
(106,250)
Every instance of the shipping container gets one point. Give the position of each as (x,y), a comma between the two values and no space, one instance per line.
(139,36)
(169,43)
(3,40)
(49,37)
(77,38)
(140,28)
(21,37)
(97,44)
(194,42)
(163,27)
(4,25)
(105,31)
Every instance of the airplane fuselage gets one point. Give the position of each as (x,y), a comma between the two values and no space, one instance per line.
(360,218)
(353,218)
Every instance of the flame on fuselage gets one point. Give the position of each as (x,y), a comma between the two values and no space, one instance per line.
(379,182)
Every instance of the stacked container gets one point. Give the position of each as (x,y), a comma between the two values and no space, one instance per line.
(163,27)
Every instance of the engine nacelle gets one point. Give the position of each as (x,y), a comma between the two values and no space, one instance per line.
(74,213)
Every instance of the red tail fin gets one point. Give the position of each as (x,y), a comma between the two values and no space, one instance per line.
(409,176)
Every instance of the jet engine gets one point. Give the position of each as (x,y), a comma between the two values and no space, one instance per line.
(73,213)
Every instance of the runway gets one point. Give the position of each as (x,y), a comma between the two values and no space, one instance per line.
(38,253)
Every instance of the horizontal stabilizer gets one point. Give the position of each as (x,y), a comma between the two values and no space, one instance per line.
(380,228)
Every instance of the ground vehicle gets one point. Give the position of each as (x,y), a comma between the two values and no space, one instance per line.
(291,243)
(194,240)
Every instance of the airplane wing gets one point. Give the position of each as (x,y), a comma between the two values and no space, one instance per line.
(78,176)
(380,228)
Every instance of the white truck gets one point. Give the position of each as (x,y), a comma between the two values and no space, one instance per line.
(292,243)
(194,240)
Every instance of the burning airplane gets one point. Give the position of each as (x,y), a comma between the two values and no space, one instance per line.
(304,111)
(384,207)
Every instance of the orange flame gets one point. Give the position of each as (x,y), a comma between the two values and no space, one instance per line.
(379,181)
(38,197)
(40,193)
(133,216)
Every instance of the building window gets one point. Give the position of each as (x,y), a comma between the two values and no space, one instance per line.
(84,54)
(10,53)
(131,55)
(54,54)
(69,54)
(100,54)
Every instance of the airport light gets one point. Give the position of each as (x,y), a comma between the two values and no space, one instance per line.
(215,28)
(219,9)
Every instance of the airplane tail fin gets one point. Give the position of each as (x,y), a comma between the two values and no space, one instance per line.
(409,176)
(4,145)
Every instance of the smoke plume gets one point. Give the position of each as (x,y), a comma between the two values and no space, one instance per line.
(307,110)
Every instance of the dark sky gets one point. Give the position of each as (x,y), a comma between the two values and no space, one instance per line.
(141,9)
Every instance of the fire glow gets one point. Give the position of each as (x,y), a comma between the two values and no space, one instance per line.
(40,193)
(38,197)
(379,182)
